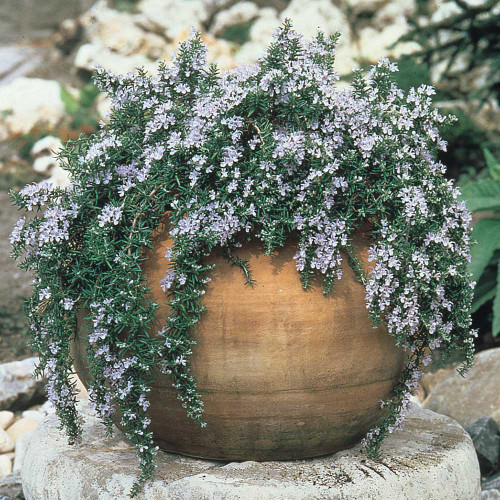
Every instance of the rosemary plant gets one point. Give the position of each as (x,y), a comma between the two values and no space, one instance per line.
(263,150)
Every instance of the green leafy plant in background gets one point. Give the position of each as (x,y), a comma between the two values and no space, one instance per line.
(81,108)
(238,33)
(483,195)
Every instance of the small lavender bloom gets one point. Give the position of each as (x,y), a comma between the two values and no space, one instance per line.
(109,214)
(68,304)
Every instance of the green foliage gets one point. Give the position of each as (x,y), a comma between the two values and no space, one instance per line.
(81,108)
(237,33)
(125,5)
(484,195)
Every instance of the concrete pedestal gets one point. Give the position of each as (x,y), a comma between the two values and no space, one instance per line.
(431,459)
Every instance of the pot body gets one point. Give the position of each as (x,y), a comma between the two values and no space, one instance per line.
(283,373)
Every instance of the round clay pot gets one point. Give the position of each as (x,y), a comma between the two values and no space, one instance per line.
(283,373)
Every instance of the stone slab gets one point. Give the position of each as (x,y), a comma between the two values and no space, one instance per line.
(431,459)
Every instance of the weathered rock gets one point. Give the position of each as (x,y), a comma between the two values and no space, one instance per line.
(6,418)
(6,443)
(26,102)
(444,11)
(374,44)
(308,16)
(48,408)
(263,27)
(393,10)
(11,487)
(492,483)
(359,6)
(58,176)
(484,434)
(20,427)
(171,17)
(475,396)
(239,13)
(18,390)
(5,466)
(33,415)
(432,378)
(490,495)
(21,447)
(432,458)
(48,145)
(120,32)
(90,55)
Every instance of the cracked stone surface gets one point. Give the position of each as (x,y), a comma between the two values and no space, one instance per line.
(433,458)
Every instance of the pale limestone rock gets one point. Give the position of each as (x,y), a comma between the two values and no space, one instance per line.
(374,45)
(26,102)
(363,5)
(22,426)
(219,51)
(445,10)
(120,32)
(171,17)
(308,16)
(44,164)
(432,458)
(90,55)
(240,12)
(35,415)
(5,466)
(249,53)
(59,177)
(18,390)
(6,443)
(48,408)
(475,396)
(103,105)
(393,10)
(6,418)
(47,145)
(21,447)
(346,57)
(262,29)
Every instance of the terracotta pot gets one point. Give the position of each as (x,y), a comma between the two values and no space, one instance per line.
(284,373)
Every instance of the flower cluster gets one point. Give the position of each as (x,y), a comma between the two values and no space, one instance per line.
(262,151)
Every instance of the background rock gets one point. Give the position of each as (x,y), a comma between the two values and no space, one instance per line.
(18,390)
(484,434)
(26,102)
(240,12)
(5,466)
(91,55)
(11,487)
(475,396)
(6,443)
(21,447)
(170,18)
(6,418)
(492,483)
(490,495)
(308,16)
(21,427)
